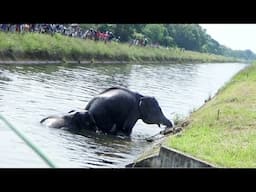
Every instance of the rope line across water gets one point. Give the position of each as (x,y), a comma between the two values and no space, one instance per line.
(28,142)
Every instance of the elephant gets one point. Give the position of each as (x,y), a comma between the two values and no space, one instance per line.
(113,111)
(74,120)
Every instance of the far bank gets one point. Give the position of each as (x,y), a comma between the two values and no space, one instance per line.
(35,48)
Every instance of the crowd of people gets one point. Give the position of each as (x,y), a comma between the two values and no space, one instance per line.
(139,42)
(72,30)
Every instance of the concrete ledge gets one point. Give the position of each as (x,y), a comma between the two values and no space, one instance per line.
(35,62)
(171,158)
(38,62)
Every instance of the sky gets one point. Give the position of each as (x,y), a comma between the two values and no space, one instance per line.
(234,36)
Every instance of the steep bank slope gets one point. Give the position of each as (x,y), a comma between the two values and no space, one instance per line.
(223,131)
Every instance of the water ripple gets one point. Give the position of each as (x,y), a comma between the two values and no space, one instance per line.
(38,91)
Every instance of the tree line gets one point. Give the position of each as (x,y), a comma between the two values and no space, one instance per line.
(186,36)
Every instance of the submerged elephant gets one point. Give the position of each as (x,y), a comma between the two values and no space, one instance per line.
(115,110)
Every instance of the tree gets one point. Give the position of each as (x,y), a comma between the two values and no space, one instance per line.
(106,27)
(155,32)
(125,31)
(168,41)
(188,36)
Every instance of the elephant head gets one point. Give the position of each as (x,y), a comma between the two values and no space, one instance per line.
(151,113)
(74,120)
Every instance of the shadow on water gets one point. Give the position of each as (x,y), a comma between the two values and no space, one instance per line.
(107,140)
(30,69)
(98,149)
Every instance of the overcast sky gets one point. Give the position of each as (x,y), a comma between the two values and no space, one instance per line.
(234,36)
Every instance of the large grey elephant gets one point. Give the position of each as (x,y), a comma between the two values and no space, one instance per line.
(115,110)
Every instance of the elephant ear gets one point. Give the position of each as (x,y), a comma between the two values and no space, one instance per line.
(148,109)
(85,118)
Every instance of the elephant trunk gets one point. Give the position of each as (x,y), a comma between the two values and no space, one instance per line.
(151,113)
(55,122)
(167,122)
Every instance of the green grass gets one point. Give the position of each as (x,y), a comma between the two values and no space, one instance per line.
(14,46)
(227,139)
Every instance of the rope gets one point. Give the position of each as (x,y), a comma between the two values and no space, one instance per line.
(151,138)
(29,143)
(164,133)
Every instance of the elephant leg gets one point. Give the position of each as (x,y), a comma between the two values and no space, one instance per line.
(113,129)
(106,125)
(128,125)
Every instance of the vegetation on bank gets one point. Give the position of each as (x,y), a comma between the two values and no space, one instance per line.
(35,46)
(187,36)
(223,131)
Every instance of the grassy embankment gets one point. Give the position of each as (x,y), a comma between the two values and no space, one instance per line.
(226,138)
(34,46)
